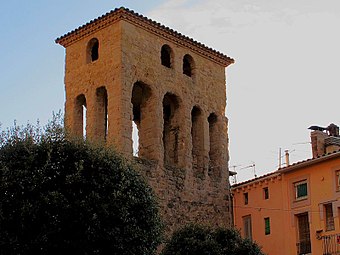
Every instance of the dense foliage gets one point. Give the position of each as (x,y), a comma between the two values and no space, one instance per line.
(200,240)
(63,197)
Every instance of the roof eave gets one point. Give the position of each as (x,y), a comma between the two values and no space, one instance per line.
(147,24)
(309,162)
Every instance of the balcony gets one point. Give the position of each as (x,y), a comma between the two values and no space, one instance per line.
(331,244)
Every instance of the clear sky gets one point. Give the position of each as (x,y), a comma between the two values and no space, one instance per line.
(285,77)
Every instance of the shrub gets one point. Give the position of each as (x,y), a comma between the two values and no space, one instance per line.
(200,240)
(58,196)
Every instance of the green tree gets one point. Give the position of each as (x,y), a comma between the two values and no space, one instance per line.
(201,240)
(64,197)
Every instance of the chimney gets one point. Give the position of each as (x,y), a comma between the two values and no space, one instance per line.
(324,140)
(287,157)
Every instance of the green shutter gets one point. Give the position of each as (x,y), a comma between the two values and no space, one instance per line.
(301,190)
(266,226)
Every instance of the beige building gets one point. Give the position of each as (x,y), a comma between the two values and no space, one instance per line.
(123,68)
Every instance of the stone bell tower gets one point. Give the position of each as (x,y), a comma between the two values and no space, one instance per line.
(124,68)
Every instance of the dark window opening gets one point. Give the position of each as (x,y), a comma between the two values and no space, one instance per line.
(166,111)
(102,113)
(197,139)
(80,116)
(188,65)
(245,197)
(266,193)
(214,142)
(266,226)
(93,50)
(166,56)
(140,95)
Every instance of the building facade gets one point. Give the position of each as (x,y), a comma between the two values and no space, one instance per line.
(123,69)
(295,210)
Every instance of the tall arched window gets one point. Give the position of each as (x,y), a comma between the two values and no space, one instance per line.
(170,129)
(140,95)
(197,138)
(80,116)
(166,55)
(92,50)
(213,142)
(101,113)
(188,65)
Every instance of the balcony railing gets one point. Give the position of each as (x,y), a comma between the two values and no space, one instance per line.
(331,244)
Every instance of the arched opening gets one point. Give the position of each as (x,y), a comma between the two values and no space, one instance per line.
(101,113)
(170,129)
(92,50)
(188,65)
(197,138)
(166,55)
(214,144)
(140,95)
(80,116)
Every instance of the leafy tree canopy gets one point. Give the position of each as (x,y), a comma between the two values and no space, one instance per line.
(201,240)
(64,197)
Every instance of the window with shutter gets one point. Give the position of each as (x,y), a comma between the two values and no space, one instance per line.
(266,226)
(301,190)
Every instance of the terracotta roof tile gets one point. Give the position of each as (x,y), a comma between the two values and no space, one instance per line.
(292,166)
(254,179)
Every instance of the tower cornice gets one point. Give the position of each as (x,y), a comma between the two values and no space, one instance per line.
(147,24)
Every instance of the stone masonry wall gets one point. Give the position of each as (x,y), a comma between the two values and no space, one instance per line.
(183,142)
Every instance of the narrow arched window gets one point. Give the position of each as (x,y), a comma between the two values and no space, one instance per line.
(166,56)
(197,140)
(188,65)
(214,142)
(140,123)
(101,124)
(171,129)
(92,50)
(80,115)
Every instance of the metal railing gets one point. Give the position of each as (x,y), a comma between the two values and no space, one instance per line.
(331,244)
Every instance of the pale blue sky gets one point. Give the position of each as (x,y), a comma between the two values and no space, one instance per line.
(285,78)
(32,65)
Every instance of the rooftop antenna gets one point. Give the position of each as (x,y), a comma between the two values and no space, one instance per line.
(280,156)
(251,166)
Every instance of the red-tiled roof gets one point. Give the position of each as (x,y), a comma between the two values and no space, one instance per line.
(131,16)
(293,166)
(254,179)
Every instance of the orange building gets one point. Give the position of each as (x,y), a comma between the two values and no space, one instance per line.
(295,210)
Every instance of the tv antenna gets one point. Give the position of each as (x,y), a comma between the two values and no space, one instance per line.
(251,166)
